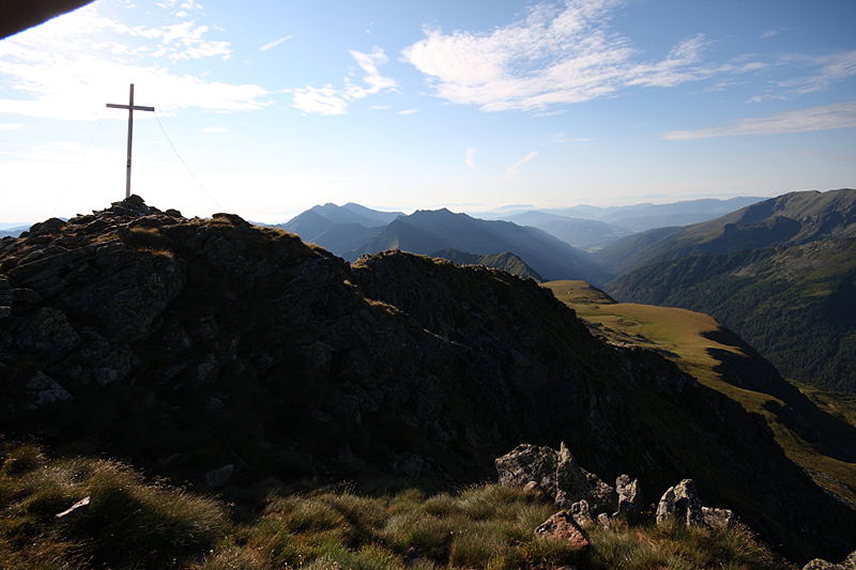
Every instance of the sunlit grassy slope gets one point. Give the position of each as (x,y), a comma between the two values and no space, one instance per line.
(687,338)
(83,514)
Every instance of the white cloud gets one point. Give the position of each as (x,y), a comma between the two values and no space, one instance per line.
(470,158)
(516,166)
(69,67)
(559,54)
(215,130)
(320,100)
(329,100)
(11,126)
(837,116)
(831,69)
(274,43)
(408,112)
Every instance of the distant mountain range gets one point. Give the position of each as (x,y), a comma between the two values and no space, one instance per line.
(578,232)
(351,231)
(13,230)
(798,217)
(781,273)
(637,217)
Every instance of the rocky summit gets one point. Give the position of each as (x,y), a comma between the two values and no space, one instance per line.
(224,354)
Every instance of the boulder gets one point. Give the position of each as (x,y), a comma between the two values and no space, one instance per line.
(628,496)
(575,483)
(582,514)
(527,463)
(717,518)
(680,502)
(561,526)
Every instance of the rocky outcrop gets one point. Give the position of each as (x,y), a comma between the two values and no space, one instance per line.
(680,503)
(587,500)
(628,497)
(529,466)
(558,476)
(817,564)
(717,518)
(573,483)
(186,345)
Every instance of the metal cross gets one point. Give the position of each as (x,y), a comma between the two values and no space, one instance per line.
(131,108)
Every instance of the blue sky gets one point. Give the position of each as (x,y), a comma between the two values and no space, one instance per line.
(266,108)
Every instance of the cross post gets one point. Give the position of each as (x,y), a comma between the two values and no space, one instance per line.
(131,108)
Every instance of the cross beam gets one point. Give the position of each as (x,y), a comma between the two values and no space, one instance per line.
(131,108)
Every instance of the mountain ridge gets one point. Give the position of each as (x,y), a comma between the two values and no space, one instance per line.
(187,346)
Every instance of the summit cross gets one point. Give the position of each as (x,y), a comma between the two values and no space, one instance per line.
(131,108)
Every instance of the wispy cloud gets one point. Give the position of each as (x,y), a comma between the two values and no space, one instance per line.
(68,67)
(470,158)
(837,116)
(330,100)
(562,138)
(830,69)
(767,34)
(274,43)
(11,126)
(560,53)
(408,112)
(215,130)
(516,166)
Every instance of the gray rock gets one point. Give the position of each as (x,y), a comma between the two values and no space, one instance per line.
(848,564)
(628,496)
(717,518)
(220,476)
(680,502)
(48,333)
(527,463)
(582,514)
(45,390)
(575,483)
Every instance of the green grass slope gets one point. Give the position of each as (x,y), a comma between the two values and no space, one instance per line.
(79,514)
(795,304)
(699,345)
(794,218)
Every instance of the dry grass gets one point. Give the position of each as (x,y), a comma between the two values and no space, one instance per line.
(131,523)
(681,335)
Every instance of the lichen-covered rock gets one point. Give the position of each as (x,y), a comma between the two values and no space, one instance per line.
(628,496)
(848,564)
(717,518)
(582,513)
(561,526)
(680,503)
(557,475)
(528,463)
(573,483)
